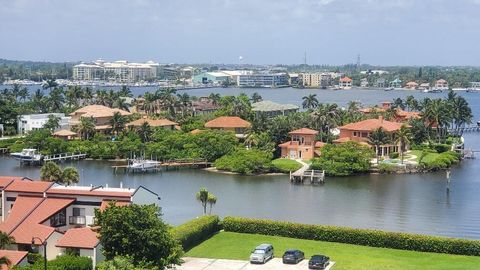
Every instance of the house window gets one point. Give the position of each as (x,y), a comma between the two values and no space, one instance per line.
(364,134)
(59,219)
(355,134)
(78,211)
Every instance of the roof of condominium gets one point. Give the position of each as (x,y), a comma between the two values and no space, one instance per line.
(79,238)
(228,122)
(14,256)
(98,111)
(303,131)
(92,191)
(269,106)
(152,122)
(28,186)
(372,124)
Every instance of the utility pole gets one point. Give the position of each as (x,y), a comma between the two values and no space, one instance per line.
(358,62)
(448,181)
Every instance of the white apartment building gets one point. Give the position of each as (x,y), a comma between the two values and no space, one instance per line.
(120,71)
(61,216)
(316,79)
(29,122)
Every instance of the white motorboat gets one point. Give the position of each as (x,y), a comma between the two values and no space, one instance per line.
(142,164)
(27,154)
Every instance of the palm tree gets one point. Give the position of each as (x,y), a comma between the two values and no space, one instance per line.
(185,102)
(461,112)
(125,91)
(23,94)
(120,104)
(117,122)
(256,97)
(202,197)
(5,261)
(411,103)
(215,98)
(403,137)
(398,103)
(436,113)
(5,241)
(69,176)
(88,95)
(145,132)
(51,172)
(52,123)
(326,116)
(167,97)
(310,101)
(50,84)
(56,99)
(377,138)
(86,127)
(211,200)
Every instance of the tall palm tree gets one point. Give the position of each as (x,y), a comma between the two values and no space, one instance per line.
(202,197)
(436,113)
(53,122)
(310,102)
(411,103)
(125,91)
(86,127)
(87,95)
(214,98)
(50,84)
(211,200)
(377,138)
(185,102)
(70,176)
(56,99)
(403,137)
(120,104)
(50,172)
(168,99)
(5,241)
(398,103)
(461,112)
(256,97)
(145,132)
(117,122)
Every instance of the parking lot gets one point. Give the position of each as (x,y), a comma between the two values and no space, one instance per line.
(218,264)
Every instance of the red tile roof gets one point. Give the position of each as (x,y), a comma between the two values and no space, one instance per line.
(111,192)
(345,79)
(106,203)
(32,227)
(303,131)
(228,122)
(98,111)
(28,186)
(79,238)
(14,256)
(5,180)
(22,207)
(372,124)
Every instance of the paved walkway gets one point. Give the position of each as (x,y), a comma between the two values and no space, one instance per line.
(218,264)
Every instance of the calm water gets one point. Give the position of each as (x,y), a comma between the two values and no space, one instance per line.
(411,203)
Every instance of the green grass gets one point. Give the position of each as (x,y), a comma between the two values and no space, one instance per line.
(228,245)
(286,165)
(429,157)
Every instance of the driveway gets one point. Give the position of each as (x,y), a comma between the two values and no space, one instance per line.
(218,264)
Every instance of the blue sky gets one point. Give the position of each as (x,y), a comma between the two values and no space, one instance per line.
(383,32)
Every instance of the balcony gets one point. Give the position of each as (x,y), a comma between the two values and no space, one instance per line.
(77,220)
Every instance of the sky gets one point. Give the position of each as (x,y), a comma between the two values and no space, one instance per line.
(331,32)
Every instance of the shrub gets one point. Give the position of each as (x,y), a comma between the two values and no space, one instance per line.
(441,148)
(246,161)
(440,161)
(394,155)
(196,231)
(63,262)
(364,237)
(386,168)
(343,159)
(286,165)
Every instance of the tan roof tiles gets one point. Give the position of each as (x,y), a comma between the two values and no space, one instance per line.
(79,238)
(228,122)
(98,111)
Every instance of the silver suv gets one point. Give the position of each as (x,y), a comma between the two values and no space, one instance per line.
(262,254)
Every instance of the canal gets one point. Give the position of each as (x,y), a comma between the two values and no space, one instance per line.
(415,203)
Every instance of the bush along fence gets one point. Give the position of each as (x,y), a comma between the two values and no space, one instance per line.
(364,237)
(196,231)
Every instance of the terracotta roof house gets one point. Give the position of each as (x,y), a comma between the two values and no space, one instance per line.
(302,145)
(441,84)
(411,85)
(424,86)
(360,132)
(100,114)
(230,123)
(60,215)
(400,115)
(17,258)
(163,123)
(204,105)
(65,134)
(345,82)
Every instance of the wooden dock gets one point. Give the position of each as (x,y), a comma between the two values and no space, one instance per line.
(64,157)
(165,165)
(313,176)
(466,129)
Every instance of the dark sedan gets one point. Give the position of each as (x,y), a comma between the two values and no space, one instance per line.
(318,262)
(293,256)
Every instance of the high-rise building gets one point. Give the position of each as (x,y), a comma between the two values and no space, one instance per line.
(322,80)
(119,71)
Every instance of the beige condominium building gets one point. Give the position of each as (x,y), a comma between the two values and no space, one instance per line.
(119,71)
(316,79)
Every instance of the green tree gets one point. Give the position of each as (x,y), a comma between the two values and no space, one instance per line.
(70,176)
(214,98)
(256,97)
(202,197)
(50,172)
(211,200)
(403,137)
(310,102)
(139,232)
(53,122)
(145,132)
(118,123)
(118,263)
(377,138)
(86,127)
(5,241)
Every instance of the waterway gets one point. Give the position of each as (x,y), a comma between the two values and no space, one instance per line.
(415,203)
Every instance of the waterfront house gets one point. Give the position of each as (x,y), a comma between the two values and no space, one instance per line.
(101,116)
(399,115)
(345,83)
(411,85)
(360,132)
(204,105)
(65,134)
(272,109)
(303,145)
(29,122)
(441,84)
(230,123)
(397,83)
(380,83)
(154,123)
(364,82)
(424,86)
(61,216)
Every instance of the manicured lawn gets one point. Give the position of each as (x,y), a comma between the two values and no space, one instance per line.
(429,157)
(227,245)
(286,165)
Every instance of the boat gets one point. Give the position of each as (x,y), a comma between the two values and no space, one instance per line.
(389,89)
(142,164)
(27,154)
(432,91)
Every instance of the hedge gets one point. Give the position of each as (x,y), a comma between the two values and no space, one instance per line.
(364,237)
(63,262)
(196,231)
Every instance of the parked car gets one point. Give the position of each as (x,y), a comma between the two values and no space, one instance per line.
(293,256)
(318,262)
(262,254)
